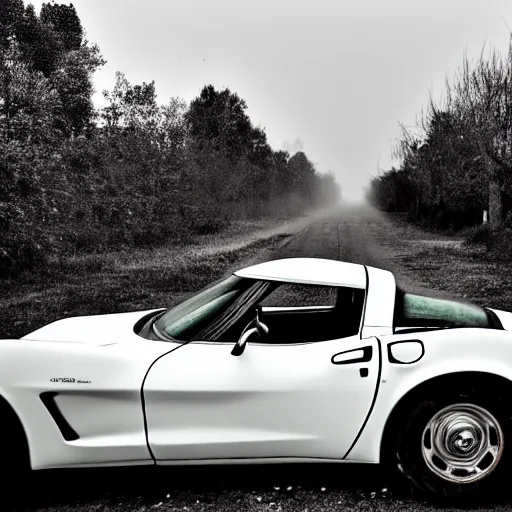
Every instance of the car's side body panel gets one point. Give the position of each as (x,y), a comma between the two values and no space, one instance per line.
(290,400)
(445,352)
(505,318)
(98,392)
(271,404)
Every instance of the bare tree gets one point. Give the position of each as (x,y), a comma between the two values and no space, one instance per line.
(481,96)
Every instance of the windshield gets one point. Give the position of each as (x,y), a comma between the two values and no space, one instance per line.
(417,310)
(187,319)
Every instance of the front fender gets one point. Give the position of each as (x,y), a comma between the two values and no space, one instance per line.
(446,353)
(97,391)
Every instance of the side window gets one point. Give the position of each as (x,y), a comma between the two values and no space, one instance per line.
(296,313)
(300,295)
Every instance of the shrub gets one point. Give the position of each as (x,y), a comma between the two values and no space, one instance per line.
(19,255)
(501,245)
(480,234)
(207,225)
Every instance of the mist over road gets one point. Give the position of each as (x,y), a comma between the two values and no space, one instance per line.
(362,234)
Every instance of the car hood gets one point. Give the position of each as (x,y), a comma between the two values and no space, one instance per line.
(92,330)
(505,318)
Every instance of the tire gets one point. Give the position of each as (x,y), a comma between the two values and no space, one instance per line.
(452,444)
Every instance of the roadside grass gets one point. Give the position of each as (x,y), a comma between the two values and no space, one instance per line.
(129,280)
(464,273)
(441,264)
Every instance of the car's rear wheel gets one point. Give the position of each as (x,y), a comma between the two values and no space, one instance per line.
(453,444)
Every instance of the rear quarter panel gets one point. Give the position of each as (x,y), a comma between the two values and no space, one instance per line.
(446,352)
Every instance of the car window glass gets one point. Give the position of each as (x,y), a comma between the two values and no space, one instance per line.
(299,295)
(311,313)
(184,321)
(414,309)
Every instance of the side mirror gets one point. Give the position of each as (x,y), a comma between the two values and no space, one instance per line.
(239,347)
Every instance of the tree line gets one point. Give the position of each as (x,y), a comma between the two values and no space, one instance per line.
(136,172)
(456,163)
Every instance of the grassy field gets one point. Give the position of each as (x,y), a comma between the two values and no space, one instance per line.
(143,279)
(135,279)
(439,264)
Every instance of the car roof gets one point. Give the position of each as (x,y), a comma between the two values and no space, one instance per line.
(308,271)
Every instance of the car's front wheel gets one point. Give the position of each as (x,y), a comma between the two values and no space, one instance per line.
(453,444)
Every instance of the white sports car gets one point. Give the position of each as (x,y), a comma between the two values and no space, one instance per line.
(292,360)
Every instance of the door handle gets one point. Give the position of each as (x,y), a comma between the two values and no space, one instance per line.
(354,356)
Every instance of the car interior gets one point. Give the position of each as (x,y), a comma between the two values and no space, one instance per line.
(293,313)
(291,324)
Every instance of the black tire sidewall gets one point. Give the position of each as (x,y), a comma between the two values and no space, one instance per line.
(409,436)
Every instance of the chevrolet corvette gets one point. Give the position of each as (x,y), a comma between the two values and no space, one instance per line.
(292,360)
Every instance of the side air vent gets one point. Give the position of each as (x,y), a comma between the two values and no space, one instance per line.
(67,431)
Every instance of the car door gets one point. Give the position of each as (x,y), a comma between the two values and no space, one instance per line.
(290,400)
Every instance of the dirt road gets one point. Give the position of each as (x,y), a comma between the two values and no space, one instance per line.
(422,262)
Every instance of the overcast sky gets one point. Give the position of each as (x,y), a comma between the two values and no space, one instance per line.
(338,74)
